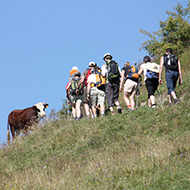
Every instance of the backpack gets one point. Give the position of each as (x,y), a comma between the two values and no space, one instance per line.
(171,62)
(132,72)
(152,70)
(87,75)
(113,70)
(100,80)
(74,86)
(151,74)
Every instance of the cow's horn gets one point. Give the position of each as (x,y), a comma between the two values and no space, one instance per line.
(44,103)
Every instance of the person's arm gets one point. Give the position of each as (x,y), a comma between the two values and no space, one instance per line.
(103,72)
(160,70)
(121,80)
(180,73)
(140,71)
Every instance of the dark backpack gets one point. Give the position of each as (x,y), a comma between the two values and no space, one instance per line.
(171,62)
(74,86)
(113,70)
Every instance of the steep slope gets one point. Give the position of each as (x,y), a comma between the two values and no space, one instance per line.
(144,149)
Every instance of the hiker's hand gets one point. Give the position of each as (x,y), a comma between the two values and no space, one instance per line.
(160,81)
(180,81)
(88,97)
(77,91)
(120,89)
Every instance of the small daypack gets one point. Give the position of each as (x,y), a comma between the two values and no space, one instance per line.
(74,86)
(132,72)
(100,80)
(113,70)
(151,74)
(171,62)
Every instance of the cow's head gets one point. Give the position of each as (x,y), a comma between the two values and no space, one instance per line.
(41,108)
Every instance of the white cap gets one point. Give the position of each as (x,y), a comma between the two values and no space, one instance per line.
(92,64)
(75,68)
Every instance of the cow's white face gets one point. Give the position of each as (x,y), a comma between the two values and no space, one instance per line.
(41,107)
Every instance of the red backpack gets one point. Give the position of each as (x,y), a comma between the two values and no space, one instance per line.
(87,75)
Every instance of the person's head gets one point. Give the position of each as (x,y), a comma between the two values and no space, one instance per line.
(107,57)
(146,59)
(169,51)
(92,64)
(127,64)
(77,75)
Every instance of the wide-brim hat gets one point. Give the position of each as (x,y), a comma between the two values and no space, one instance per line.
(106,55)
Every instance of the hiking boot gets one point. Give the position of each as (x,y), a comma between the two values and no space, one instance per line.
(176,101)
(170,104)
(119,110)
(153,105)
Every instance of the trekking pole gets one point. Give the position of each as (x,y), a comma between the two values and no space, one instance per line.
(138,92)
(159,98)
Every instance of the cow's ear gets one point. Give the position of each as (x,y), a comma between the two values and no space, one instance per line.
(46,105)
(34,107)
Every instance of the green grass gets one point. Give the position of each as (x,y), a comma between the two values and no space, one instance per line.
(143,149)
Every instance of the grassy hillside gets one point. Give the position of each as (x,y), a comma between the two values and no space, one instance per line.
(144,149)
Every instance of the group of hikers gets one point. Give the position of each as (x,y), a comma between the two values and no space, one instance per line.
(97,85)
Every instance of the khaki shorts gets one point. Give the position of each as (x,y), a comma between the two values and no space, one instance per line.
(130,86)
(97,97)
(76,99)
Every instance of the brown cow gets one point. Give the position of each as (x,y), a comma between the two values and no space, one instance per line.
(22,119)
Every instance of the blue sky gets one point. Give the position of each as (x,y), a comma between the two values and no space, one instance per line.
(40,41)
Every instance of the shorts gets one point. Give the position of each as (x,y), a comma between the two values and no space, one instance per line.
(97,97)
(76,99)
(130,86)
(151,86)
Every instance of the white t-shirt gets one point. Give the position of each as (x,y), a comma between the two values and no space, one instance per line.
(92,78)
(144,70)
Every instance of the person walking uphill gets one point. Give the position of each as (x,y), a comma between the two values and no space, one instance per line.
(173,71)
(83,80)
(129,73)
(111,71)
(150,71)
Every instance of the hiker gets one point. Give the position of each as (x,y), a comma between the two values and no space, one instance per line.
(75,95)
(111,71)
(95,91)
(129,73)
(83,80)
(150,71)
(71,75)
(173,71)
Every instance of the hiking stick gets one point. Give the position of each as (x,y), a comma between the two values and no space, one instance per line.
(159,98)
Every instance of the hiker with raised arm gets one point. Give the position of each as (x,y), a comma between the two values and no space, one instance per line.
(173,71)
(129,74)
(95,91)
(111,71)
(150,71)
